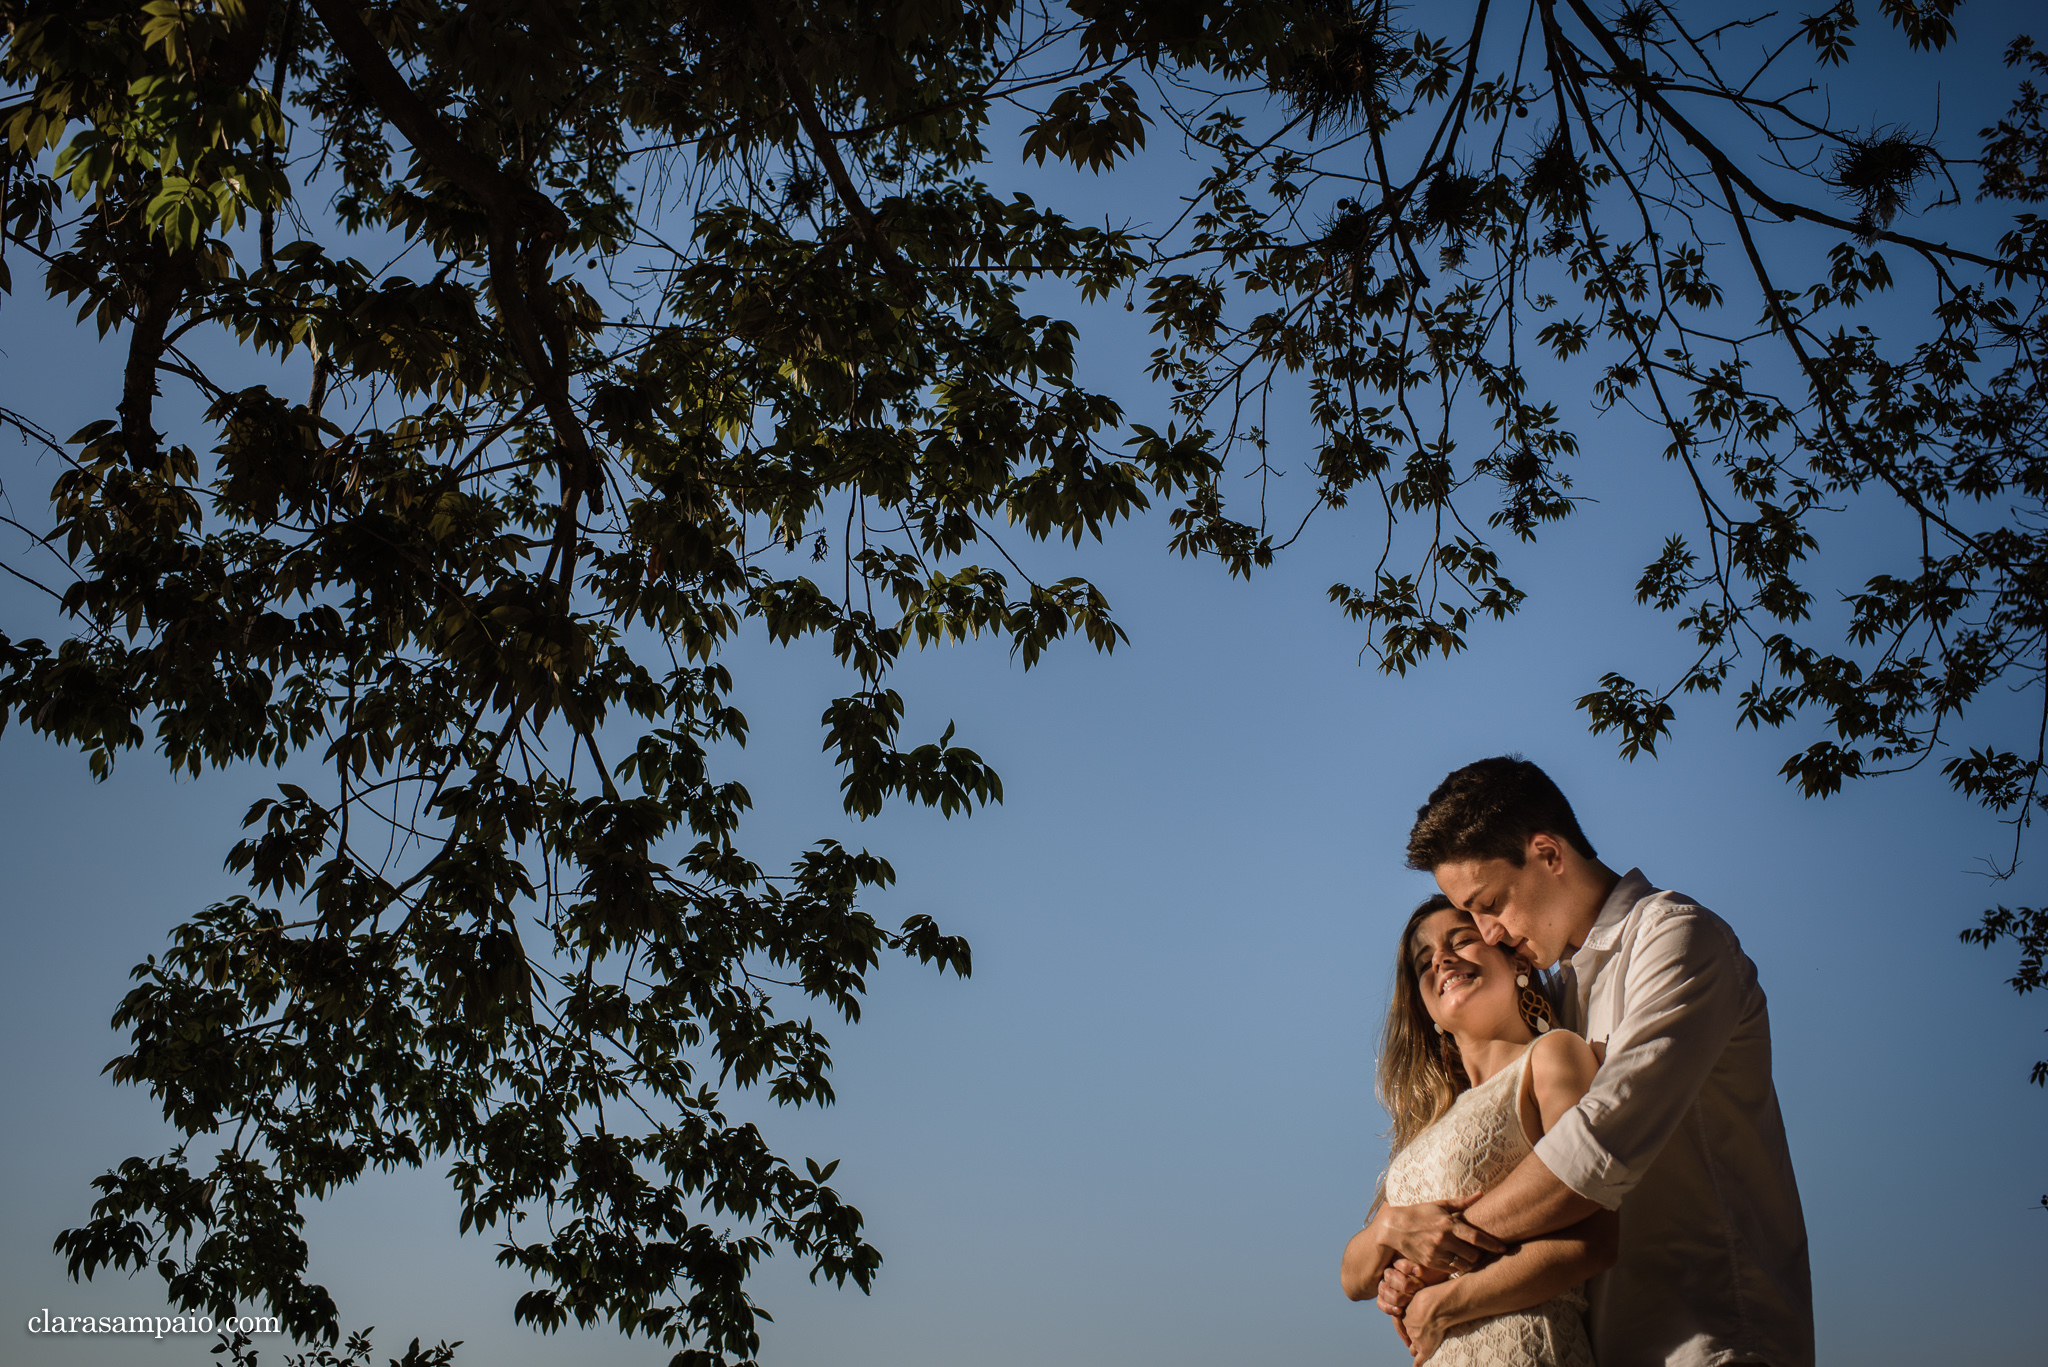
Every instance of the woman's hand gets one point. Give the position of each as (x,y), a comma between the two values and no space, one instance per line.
(1400,1282)
(1424,1326)
(1434,1234)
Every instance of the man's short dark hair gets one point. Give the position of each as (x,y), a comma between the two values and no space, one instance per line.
(1488,810)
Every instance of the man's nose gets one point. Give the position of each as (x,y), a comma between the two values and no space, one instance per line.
(1490,930)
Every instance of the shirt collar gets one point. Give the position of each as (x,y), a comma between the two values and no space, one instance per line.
(1632,888)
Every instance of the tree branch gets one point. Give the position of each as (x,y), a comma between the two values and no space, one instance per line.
(1626,70)
(525,225)
(821,139)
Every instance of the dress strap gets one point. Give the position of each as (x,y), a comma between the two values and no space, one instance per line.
(1521,1066)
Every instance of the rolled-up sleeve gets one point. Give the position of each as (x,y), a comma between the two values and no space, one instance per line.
(1682,996)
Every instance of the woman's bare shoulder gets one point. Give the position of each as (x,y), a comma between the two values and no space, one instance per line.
(1562,1061)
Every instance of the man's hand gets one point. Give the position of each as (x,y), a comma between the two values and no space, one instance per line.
(1434,1234)
(1424,1328)
(1400,1282)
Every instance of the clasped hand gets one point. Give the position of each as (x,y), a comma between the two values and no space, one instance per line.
(1434,1241)
(1411,1295)
(1420,1326)
(1436,1235)
(1400,1282)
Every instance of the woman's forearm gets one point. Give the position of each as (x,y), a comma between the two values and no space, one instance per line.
(1532,1274)
(1365,1258)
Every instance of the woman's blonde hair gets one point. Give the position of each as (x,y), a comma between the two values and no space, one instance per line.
(1419,1078)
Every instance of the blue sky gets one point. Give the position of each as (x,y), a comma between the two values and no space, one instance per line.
(1143,1130)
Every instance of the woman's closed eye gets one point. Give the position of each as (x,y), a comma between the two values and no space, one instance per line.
(1461,939)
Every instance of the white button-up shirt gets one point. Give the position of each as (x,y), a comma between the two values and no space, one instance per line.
(1681,1133)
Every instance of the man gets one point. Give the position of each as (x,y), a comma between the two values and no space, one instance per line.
(1680,1130)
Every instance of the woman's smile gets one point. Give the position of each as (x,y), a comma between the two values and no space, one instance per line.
(1456,975)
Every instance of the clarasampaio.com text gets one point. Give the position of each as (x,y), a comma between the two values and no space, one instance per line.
(43,1322)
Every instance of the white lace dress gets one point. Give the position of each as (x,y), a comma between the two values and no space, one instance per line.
(1473,1146)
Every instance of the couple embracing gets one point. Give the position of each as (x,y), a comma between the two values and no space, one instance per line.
(1589,1164)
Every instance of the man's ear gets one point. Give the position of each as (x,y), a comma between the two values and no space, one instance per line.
(1547,851)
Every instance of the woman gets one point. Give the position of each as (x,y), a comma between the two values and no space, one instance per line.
(1473,1074)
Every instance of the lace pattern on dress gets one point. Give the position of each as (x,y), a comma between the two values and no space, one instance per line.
(1472,1147)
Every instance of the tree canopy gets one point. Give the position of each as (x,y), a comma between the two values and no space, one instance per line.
(613,330)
